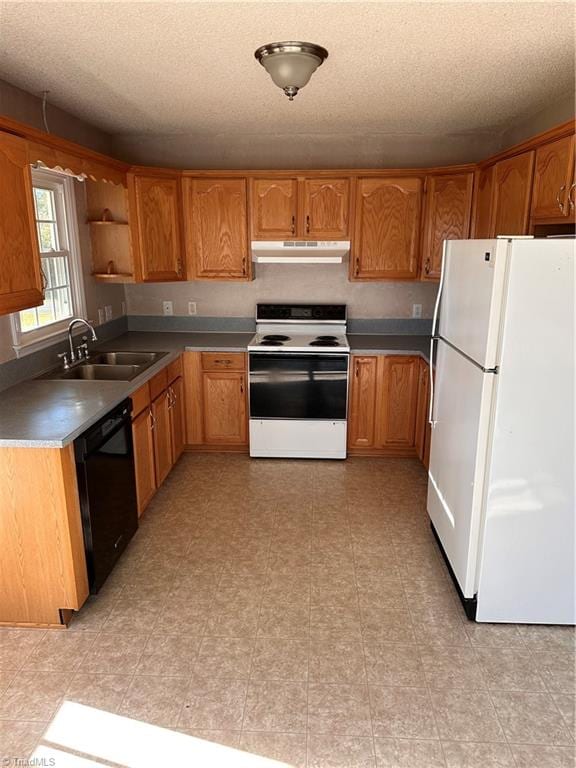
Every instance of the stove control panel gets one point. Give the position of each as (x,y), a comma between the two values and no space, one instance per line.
(301,312)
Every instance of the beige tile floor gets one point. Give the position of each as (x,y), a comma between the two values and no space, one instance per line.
(300,611)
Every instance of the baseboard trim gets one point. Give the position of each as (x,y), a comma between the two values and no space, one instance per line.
(389,452)
(216,448)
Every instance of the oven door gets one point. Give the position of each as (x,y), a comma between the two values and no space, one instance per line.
(298,386)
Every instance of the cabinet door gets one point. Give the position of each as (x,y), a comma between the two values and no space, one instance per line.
(326,208)
(157,210)
(387,224)
(553,177)
(397,401)
(20,275)
(224,407)
(422,408)
(511,197)
(483,211)
(446,217)
(362,402)
(216,228)
(143,438)
(274,208)
(162,437)
(177,426)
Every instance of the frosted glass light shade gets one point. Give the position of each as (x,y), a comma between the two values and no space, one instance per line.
(291,64)
(291,68)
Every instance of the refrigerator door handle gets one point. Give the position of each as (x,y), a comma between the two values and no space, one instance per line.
(440,287)
(431,405)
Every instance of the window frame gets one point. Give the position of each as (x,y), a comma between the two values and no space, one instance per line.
(62,185)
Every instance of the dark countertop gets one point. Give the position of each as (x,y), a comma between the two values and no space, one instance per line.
(49,413)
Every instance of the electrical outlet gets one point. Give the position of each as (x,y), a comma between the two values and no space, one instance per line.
(101,316)
(108,312)
(417,310)
(167,308)
(191,307)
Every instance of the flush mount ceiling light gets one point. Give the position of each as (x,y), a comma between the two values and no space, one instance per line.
(291,64)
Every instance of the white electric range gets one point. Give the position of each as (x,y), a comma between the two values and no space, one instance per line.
(298,381)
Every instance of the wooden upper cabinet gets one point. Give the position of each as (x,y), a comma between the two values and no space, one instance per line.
(362,411)
(215,212)
(553,193)
(274,208)
(397,401)
(225,409)
(511,195)
(20,273)
(156,208)
(483,190)
(386,229)
(326,208)
(446,217)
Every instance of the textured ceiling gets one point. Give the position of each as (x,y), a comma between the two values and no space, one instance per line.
(181,67)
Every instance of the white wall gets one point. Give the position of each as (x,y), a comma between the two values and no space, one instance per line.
(281,282)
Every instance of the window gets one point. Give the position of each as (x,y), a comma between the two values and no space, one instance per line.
(56,225)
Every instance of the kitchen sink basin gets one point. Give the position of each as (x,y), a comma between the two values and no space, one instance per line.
(126,358)
(95,372)
(108,366)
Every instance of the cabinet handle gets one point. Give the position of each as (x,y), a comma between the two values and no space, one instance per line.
(293,227)
(560,203)
(180,265)
(357,270)
(242,387)
(427,266)
(152,419)
(357,372)
(44,280)
(308,225)
(223,362)
(171,397)
(243,265)
(571,197)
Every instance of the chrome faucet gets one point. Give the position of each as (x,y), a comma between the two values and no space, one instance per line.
(73,323)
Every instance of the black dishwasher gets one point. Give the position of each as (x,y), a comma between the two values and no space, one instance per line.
(107,487)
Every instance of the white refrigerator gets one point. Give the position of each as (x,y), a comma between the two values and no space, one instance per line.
(502,465)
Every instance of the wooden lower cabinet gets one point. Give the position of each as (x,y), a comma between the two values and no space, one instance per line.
(362,411)
(215,386)
(423,429)
(177,421)
(43,574)
(396,402)
(158,428)
(224,407)
(383,405)
(143,439)
(162,437)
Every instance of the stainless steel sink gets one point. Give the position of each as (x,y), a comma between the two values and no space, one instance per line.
(108,366)
(126,358)
(92,372)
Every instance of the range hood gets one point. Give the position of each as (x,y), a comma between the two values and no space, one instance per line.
(299,251)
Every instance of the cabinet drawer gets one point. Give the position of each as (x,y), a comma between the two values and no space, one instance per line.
(159,383)
(174,369)
(223,361)
(140,399)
